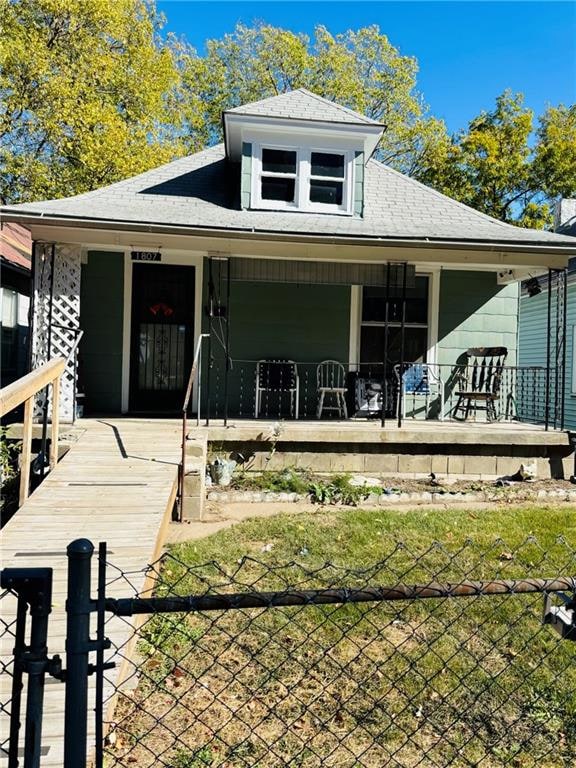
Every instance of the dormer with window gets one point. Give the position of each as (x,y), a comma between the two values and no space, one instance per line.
(300,153)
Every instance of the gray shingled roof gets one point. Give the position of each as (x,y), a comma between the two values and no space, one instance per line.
(194,192)
(568,228)
(302,105)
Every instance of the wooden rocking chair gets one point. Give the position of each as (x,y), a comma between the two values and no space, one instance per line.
(480,381)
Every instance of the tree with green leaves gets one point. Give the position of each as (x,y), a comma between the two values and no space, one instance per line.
(500,168)
(358,69)
(555,151)
(89,94)
(92,93)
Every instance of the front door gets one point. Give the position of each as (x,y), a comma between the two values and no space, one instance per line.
(162,336)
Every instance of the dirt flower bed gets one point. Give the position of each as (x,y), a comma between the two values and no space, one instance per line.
(352,490)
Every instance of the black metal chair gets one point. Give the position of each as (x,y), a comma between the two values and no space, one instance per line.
(479,382)
(278,377)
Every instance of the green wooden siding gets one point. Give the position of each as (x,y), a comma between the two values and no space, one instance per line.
(358,207)
(476,312)
(304,323)
(246,175)
(101,319)
(532,340)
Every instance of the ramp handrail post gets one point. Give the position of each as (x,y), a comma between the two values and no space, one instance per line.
(78,646)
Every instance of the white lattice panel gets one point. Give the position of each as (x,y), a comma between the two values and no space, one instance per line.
(57,316)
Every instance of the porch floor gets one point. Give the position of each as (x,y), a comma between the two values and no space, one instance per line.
(116,484)
(371,431)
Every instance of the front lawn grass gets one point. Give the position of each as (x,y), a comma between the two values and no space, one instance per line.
(357,537)
(440,682)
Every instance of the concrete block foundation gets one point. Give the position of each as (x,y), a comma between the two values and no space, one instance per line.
(470,451)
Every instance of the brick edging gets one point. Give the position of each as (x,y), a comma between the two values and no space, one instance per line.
(384,499)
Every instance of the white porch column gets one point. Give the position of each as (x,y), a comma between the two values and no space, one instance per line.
(56,317)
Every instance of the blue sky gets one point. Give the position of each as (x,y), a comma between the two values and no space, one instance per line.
(468,52)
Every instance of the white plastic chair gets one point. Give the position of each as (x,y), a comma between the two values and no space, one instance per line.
(331,380)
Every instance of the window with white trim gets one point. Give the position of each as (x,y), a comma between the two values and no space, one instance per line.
(327,177)
(278,178)
(9,309)
(376,316)
(315,180)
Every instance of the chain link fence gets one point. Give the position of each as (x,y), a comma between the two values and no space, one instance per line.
(256,663)
(8,622)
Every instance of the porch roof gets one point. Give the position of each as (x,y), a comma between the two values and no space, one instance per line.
(192,194)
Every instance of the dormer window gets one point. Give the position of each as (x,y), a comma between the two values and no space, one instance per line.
(302,179)
(327,174)
(278,179)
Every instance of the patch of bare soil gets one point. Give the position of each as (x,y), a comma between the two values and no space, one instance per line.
(474,486)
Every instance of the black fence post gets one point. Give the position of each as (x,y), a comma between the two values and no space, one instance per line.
(37,666)
(78,646)
(103,643)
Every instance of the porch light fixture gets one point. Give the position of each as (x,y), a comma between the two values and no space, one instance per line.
(533,287)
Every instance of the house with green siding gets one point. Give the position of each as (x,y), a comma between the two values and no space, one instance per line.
(547,326)
(286,248)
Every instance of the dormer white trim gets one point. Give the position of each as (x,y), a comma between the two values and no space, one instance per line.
(239,128)
(302,177)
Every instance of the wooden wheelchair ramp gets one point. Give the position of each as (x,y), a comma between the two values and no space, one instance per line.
(117,484)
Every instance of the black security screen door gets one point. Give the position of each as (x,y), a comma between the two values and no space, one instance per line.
(162,336)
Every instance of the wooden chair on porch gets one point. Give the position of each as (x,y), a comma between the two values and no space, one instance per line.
(331,380)
(479,382)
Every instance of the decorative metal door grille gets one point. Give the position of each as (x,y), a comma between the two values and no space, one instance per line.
(161,356)
(162,335)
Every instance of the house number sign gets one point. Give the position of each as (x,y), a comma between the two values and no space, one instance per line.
(146,256)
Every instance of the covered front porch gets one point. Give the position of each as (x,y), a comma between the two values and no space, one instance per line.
(476,390)
(285,331)
(389,343)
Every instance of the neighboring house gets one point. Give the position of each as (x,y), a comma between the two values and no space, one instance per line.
(287,242)
(534,338)
(15,263)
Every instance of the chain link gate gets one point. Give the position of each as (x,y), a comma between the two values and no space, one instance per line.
(31,589)
(344,607)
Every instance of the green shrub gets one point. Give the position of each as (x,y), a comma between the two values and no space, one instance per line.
(333,489)
(287,480)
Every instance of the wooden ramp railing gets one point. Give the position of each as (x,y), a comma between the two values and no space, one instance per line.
(23,391)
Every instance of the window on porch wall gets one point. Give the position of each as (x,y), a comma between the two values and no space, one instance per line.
(374,323)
